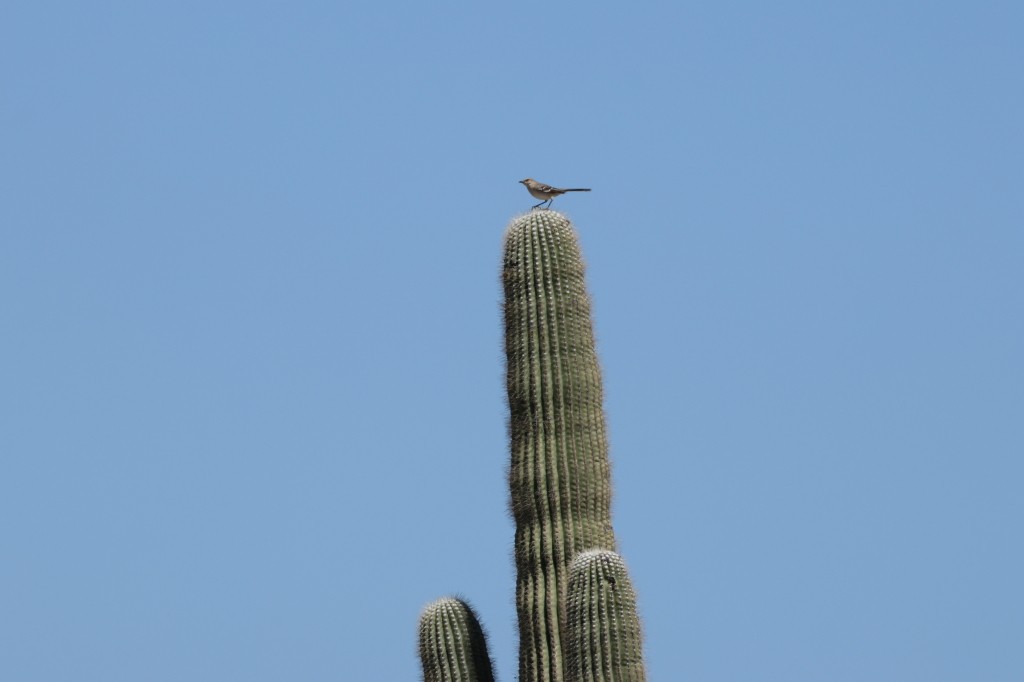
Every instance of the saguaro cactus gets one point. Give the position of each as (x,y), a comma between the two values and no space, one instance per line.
(559,476)
(560,479)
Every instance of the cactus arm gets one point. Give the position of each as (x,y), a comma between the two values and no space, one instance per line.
(453,647)
(603,641)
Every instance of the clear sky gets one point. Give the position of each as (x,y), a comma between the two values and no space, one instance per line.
(252,411)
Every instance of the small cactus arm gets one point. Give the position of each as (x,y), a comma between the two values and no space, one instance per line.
(452,643)
(603,642)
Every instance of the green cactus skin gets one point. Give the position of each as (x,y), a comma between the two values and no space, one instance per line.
(559,476)
(452,643)
(603,641)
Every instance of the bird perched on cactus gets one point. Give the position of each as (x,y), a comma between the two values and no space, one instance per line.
(546,193)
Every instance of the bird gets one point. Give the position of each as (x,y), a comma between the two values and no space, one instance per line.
(546,193)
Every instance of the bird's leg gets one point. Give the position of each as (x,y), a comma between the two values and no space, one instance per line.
(537,205)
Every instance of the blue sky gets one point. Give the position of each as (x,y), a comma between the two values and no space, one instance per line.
(251,377)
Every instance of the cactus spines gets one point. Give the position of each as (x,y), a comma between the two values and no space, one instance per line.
(452,643)
(603,642)
(559,476)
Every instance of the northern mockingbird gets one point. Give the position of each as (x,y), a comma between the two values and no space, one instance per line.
(546,193)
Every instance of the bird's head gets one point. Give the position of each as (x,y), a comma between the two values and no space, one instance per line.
(523,182)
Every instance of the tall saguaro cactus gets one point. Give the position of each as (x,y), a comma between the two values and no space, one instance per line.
(559,476)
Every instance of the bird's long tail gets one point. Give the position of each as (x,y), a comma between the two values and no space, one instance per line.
(576,190)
